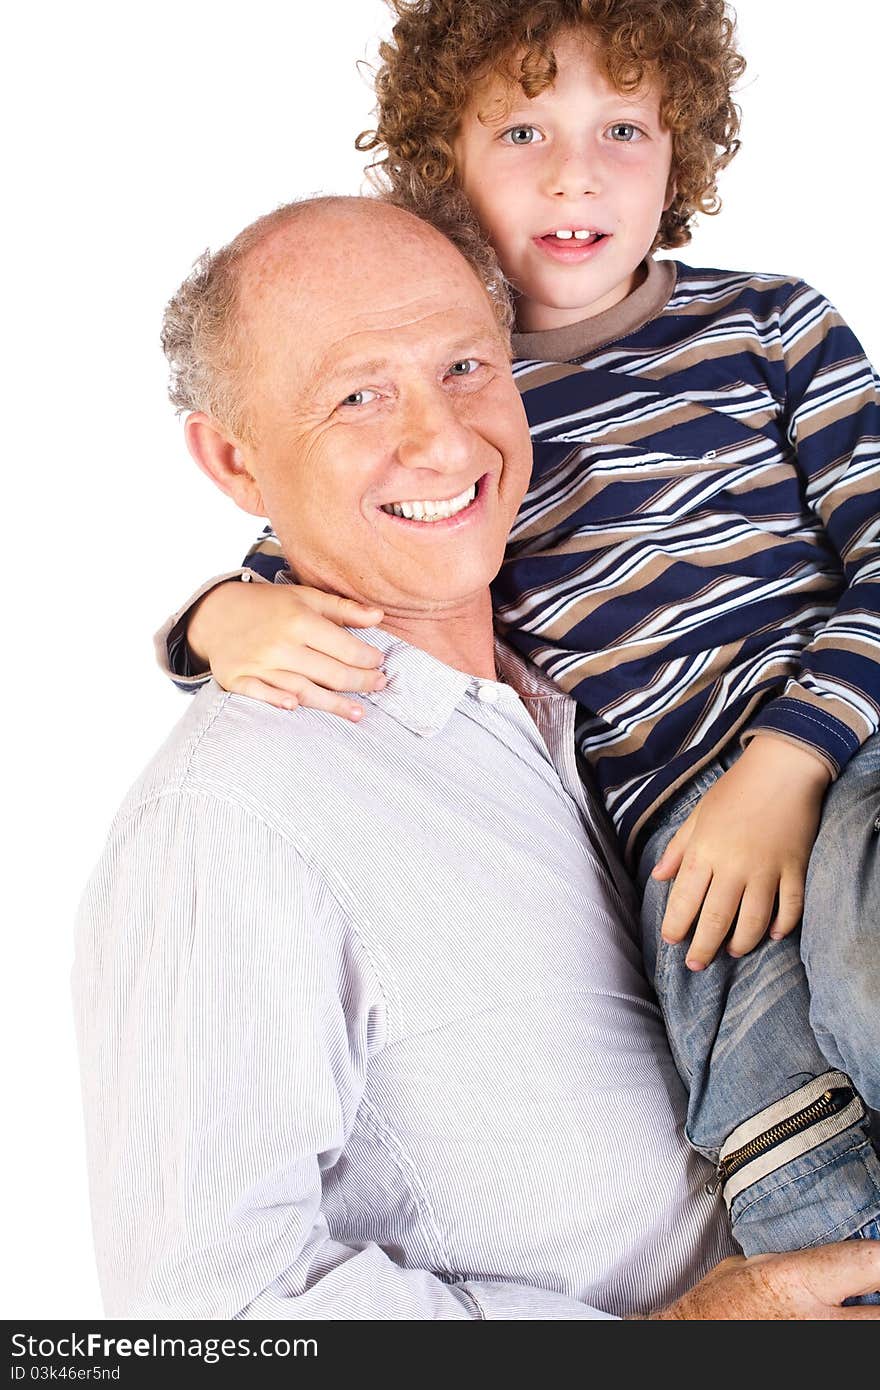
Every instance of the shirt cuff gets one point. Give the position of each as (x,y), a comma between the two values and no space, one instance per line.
(832,740)
(511,1302)
(172,653)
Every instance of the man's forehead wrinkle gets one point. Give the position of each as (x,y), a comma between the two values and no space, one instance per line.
(405,315)
(372,335)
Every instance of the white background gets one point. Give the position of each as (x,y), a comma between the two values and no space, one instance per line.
(136,136)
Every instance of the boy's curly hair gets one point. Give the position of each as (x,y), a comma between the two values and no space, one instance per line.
(441,49)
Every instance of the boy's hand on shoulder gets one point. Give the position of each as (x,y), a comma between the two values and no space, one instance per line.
(743,852)
(286,645)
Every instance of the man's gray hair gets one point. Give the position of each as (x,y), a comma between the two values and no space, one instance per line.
(210,363)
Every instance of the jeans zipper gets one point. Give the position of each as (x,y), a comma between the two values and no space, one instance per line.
(829,1103)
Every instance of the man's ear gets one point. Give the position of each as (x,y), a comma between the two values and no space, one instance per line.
(222,460)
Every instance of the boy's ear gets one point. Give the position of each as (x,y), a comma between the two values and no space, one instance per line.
(223,461)
(671,191)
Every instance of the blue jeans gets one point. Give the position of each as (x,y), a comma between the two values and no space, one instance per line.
(840,933)
(745,1034)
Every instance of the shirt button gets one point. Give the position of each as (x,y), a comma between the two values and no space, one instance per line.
(488,694)
(246,577)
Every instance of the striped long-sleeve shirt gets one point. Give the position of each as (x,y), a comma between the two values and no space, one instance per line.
(699,552)
(698,555)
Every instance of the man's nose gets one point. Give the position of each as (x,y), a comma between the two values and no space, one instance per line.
(433,435)
(574,170)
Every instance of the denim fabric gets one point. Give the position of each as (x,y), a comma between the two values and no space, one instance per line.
(740,1030)
(840,940)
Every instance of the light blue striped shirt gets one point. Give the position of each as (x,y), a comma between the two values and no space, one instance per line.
(363,1030)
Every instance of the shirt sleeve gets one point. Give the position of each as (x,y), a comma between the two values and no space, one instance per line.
(263,562)
(226,1016)
(832,704)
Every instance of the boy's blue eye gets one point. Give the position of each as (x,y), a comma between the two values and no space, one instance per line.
(624,133)
(521,135)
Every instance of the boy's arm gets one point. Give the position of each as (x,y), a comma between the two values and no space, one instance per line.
(746,847)
(832,705)
(272,641)
(179,659)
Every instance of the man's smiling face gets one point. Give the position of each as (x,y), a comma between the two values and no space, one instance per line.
(391,447)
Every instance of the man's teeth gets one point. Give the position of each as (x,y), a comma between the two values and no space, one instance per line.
(432,511)
(566,234)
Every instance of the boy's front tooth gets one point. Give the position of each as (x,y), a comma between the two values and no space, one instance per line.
(565,235)
(582,236)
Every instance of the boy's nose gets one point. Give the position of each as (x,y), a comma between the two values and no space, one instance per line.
(574,175)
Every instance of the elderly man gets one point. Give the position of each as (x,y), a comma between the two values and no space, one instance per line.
(363,1032)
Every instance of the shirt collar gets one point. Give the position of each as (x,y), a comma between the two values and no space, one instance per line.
(423,693)
(579,339)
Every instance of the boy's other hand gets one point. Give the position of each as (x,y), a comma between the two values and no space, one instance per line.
(743,852)
(806,1284)
(285,644)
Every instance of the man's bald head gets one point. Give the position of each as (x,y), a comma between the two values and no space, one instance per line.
(205,329)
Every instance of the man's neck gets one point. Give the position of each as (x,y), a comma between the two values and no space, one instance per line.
(463,639)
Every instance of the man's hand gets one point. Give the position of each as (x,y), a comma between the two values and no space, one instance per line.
(285,644)
(743,849)
(806,1284)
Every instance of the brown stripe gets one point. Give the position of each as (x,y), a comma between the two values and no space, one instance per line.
(814,424)
(812,337)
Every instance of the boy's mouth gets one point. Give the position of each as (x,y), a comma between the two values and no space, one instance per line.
(571,243)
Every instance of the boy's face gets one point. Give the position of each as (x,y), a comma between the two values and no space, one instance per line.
(581,159)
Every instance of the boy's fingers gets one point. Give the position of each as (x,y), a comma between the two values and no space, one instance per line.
(340,610)
(753,918)
(308,665)
(324,635)
(313,697)
(716,916)
(255,689)
(685,899)
(791,904)
(276,691)
(309,631)
(669,862)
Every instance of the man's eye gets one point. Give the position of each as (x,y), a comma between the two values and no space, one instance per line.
(522,135)
(624,133)
(466,367)
(359,398)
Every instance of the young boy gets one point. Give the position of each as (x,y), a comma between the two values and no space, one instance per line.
(696,562)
